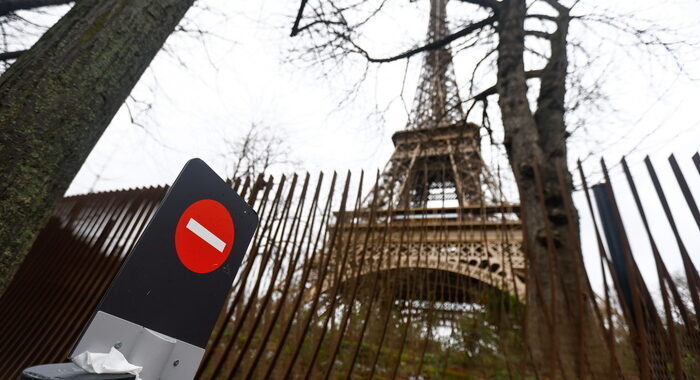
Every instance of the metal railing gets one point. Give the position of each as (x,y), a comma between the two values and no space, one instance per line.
(331,288)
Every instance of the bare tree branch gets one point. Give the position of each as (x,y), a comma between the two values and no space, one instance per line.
(541,17)
(9,6)
(297,20)
(538,34)
(9,55)
(430,46)
(493,4)
(314,23)
(492,90)
(557,5)
(472,80)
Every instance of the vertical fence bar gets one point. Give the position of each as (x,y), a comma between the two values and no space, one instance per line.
(685,189)
(410,291)
(307,266)
(321,277)
(294,258)
(253,294)
(357,277)
(339,273)
(604,261)
(607,203)
(579,270)
(238,288)
(293,229)
(373,290)
(690,271)
(391,279)
(661,274)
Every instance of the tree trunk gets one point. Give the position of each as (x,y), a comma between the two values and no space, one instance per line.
(57,100)
(563,335)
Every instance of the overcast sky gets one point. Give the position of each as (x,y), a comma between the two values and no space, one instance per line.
(240,73)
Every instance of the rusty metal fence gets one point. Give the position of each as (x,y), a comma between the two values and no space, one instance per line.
(335,286)
(68,269)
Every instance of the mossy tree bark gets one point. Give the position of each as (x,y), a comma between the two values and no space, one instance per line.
(57,100)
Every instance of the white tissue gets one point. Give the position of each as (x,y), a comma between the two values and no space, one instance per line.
(113,362)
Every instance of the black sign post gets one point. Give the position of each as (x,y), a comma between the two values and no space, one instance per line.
(162,306)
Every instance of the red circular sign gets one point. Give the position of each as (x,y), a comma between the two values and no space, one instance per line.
(204,236)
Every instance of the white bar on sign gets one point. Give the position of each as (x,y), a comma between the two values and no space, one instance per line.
(206,235)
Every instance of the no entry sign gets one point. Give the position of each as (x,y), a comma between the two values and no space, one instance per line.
(204,236)
(175,281)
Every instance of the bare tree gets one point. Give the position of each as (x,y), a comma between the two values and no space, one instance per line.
(254,153)
(534,104)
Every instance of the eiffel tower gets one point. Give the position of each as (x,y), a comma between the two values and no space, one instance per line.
(435,209)
(437,139)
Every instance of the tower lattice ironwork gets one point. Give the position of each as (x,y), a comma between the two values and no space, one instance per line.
(434,208)
(438,156)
